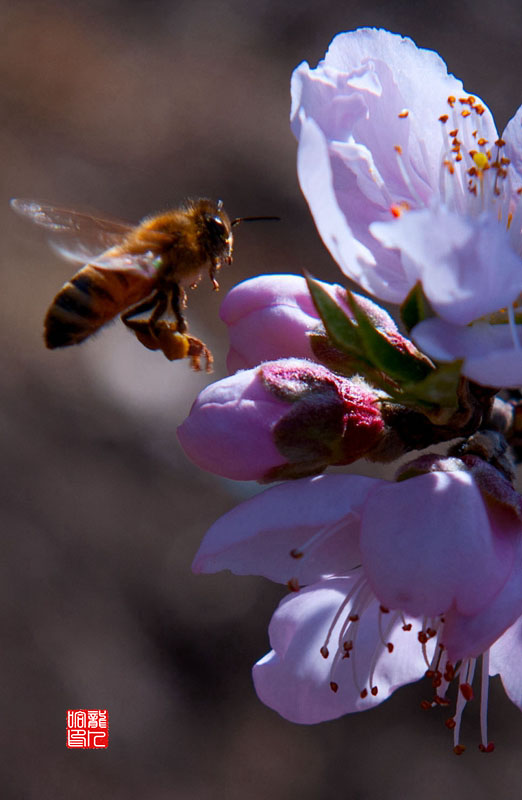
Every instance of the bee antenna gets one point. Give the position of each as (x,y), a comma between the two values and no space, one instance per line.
(254,219)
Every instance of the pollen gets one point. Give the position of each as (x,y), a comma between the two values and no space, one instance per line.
(481,161)
(397,209)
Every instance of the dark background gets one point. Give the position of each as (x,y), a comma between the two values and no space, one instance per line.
(129,107)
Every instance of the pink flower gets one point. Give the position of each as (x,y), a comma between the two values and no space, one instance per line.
(395,589)
(408,181)
(282,419)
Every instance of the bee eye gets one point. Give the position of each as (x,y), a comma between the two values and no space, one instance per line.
(217,229)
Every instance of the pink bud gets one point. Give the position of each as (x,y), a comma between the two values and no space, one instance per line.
(283,419)
(268,317)
(272,316)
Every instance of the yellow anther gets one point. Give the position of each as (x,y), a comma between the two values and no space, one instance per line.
(481,161)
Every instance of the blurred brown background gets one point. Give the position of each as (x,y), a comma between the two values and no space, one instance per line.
(129,107)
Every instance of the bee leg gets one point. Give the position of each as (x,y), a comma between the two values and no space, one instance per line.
(198,350)
(142,327)
(142,308)
(212,271)
(178,301)
(161,307)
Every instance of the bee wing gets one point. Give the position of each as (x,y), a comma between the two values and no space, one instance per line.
(145,264)
(76,235)
(86,239)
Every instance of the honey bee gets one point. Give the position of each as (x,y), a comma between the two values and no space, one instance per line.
(138,271)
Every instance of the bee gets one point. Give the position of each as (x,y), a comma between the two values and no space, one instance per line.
(138,271)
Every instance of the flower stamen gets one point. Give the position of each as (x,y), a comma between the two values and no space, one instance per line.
(321,536)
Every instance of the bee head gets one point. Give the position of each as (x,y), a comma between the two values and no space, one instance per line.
(216,226)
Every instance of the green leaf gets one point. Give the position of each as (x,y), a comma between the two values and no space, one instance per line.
(416,307)
(339,326)
(402,366)
(440,388)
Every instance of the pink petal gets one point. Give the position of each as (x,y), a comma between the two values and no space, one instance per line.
(466,636)
(256,537)
(428,544)
(315,176)
(506,658)
(491,356)
(513,138)
(457,259)
(268,317)
(228,430)
(294,678)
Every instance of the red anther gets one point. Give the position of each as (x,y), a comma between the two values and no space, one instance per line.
(334,686)
(406,626)
(347,646)
(452,100)
(454,132)
(430,673)
(500,143)
(459,157)
(384,609)
(466,112)
(374,690)
(482,142)
(324,651)
(396,211)
(441,701)
(459,749)
(398,149)
(486,748)
(505,161)
(421,636)
(353,617)
(363,694)
(403,114)
(295,553)
(479,108)
(466,691)
(293,585)
(450,723)
(426,705)
(390,647)
(443,118)
(431,632)
(449,673)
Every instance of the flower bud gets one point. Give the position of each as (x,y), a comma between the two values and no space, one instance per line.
(268,317)
(283,419)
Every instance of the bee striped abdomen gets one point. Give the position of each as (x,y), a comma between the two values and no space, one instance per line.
(90,299)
